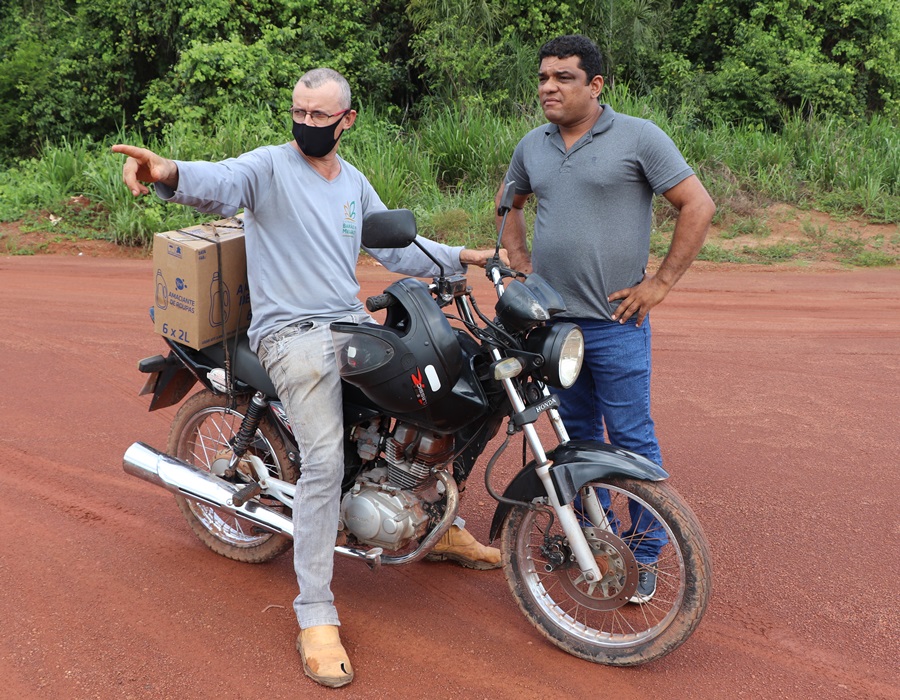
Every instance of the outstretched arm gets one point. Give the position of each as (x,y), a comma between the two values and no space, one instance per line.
(143,165)
(695,212)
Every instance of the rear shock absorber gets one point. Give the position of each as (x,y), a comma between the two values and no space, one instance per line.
(241,442)
(255,411)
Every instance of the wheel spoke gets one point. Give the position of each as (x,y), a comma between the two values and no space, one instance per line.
(206,438)
(598,612)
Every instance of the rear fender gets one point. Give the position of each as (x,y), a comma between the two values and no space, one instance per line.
(169,384)
(184,367)
(575,464)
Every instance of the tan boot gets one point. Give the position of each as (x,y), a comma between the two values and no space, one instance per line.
(458,545)
(324,657)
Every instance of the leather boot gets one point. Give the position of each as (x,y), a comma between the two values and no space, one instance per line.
(458,545)
(324,657)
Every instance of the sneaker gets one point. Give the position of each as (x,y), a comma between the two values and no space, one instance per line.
(646,588)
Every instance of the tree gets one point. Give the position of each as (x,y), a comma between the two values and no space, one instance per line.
(751,60)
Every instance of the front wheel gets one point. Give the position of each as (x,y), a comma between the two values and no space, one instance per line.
(201,435)
(646,530)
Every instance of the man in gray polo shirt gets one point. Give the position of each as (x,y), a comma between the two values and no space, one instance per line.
(594,173)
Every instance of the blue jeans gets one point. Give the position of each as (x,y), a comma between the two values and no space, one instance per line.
(613,391)
(301,363)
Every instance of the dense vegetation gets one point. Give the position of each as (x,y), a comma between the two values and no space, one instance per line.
(771,100)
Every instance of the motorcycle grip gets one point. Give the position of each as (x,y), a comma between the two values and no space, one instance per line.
(379,302)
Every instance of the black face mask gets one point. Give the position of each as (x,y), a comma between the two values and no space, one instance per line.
(316,141)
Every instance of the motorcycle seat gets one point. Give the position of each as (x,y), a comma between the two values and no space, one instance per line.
(245,364)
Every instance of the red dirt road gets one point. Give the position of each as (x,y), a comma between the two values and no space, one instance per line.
(777,397)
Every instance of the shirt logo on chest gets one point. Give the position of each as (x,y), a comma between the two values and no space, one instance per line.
(349,227)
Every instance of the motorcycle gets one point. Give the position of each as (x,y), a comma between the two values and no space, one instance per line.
(422,400)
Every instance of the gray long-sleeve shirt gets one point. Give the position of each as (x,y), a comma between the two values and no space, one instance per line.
(303,233)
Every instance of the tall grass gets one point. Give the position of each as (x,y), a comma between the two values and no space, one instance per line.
(400,170)
(856,167)
(447,167)
(39,183)
(469,146)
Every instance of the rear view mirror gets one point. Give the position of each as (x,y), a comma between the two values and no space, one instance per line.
(506,199)
(394,228)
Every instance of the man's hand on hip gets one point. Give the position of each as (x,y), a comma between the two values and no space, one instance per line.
(639,299)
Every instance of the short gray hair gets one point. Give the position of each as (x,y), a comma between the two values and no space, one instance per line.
(319,76)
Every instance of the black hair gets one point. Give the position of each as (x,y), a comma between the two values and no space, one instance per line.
(589,58)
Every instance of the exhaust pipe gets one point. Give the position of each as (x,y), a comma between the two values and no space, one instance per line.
(185,479)
(180,477)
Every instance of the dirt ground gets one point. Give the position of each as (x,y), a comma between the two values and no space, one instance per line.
(777,398)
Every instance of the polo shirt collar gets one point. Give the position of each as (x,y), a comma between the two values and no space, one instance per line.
(604,123)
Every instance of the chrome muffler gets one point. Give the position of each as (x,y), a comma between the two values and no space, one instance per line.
(179,477)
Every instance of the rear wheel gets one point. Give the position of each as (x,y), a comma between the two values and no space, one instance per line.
(610,622)
(200,435)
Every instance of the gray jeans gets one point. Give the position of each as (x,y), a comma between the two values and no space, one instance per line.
(301,363)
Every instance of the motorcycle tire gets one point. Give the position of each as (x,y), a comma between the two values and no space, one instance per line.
(200,435)
(611,622)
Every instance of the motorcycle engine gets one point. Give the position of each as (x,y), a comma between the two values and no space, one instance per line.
(386,507)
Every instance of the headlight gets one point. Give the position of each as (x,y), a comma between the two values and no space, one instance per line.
(562,347)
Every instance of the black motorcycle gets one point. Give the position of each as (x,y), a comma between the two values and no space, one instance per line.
(424,394)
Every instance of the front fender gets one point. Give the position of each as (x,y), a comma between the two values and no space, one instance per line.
(575,464)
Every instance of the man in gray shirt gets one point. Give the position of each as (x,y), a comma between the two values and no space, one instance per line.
(304,207)
(594,173)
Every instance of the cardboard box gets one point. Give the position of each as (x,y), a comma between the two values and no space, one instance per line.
(194,305)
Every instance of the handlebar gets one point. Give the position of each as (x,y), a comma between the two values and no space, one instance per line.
(494,265)
(379,302)
(446,289)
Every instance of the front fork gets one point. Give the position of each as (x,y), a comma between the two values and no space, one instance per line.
(584,555)
(590,502)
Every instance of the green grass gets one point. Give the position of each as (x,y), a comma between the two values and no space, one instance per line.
(871,258)
(749,226)
(446,168)
(778,252)
(715,253)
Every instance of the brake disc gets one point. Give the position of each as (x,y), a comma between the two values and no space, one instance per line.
(619,571)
